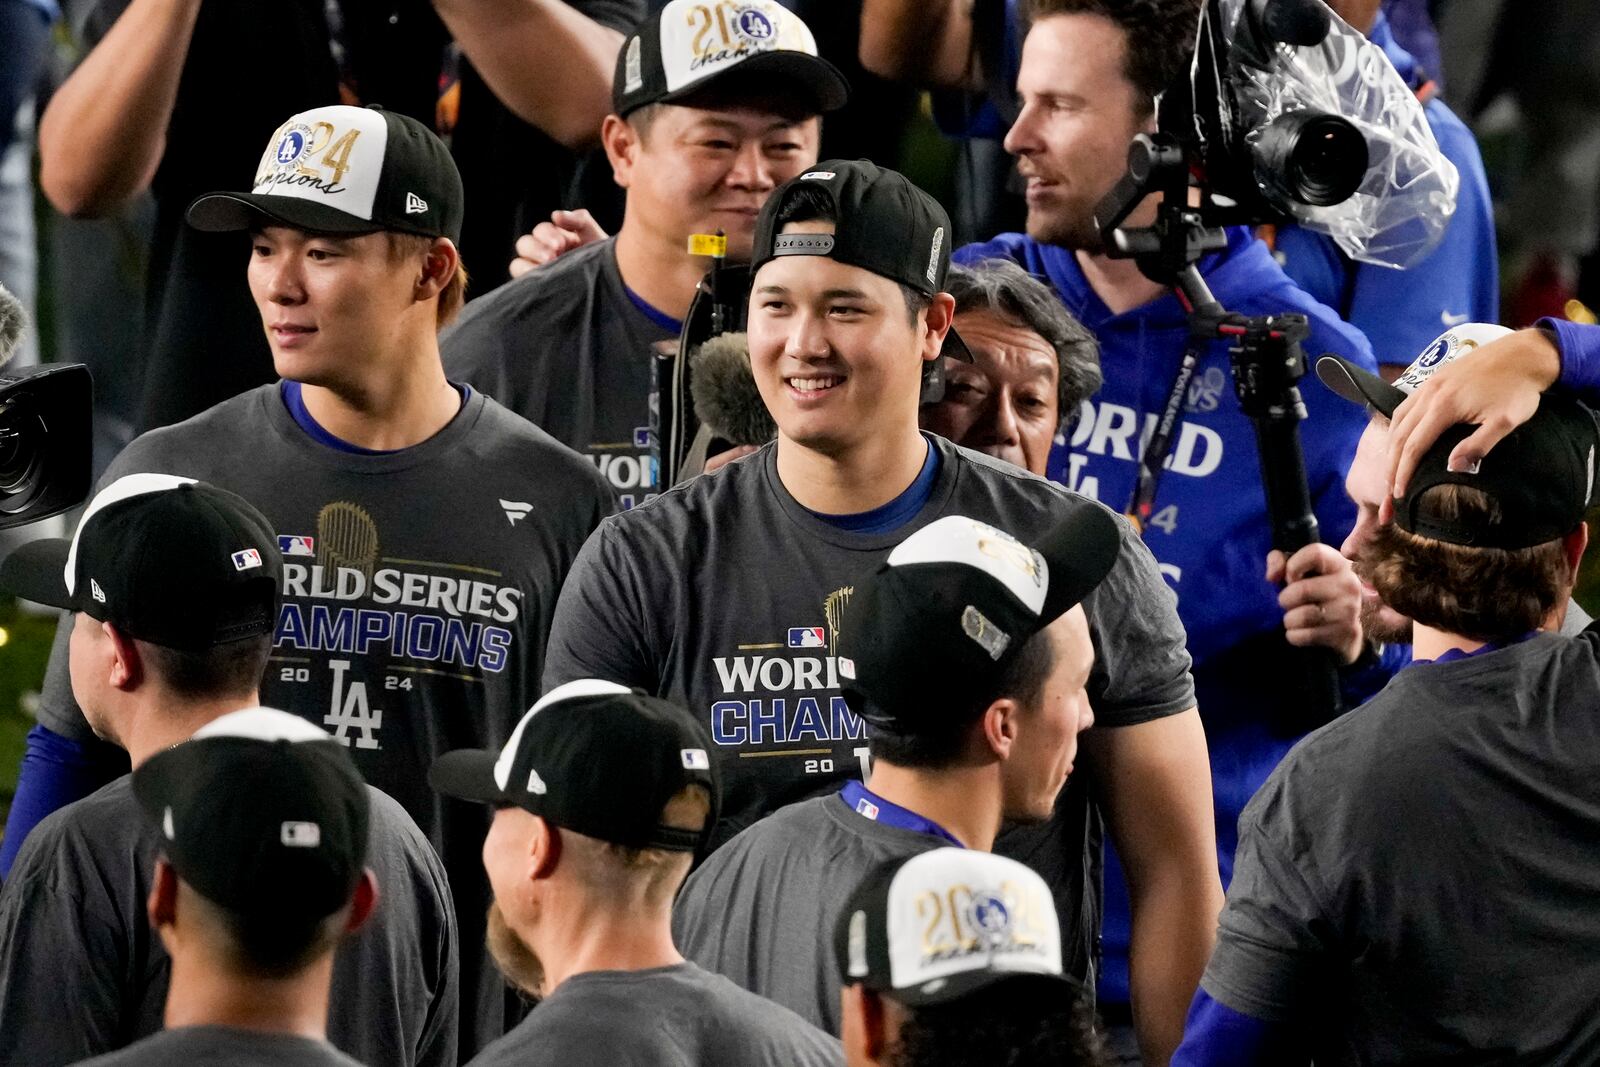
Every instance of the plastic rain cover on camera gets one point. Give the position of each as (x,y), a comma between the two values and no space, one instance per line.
(1401,209)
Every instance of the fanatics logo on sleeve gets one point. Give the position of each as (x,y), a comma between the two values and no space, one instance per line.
(243,561)
(807,637)
(515,509)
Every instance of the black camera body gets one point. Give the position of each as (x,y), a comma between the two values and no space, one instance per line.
(46,441)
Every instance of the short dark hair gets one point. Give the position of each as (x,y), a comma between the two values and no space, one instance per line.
(233,669)
(1158,36)
(1487,594)
(259,947)
(1020,1022)
(1002,287)
(942,743)
(805,203)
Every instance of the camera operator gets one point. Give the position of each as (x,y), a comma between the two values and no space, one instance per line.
(1089,72)
(1487,744)
(1397,310)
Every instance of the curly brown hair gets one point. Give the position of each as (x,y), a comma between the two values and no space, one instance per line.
(1486,594)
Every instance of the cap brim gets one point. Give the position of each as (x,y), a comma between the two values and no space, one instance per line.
(37,571)
(467,774)
(820,79)
(956,986)
(228,212)
(1080,551)
(955,347)
(1359,386)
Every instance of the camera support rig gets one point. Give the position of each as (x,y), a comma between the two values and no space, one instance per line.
(1265,356)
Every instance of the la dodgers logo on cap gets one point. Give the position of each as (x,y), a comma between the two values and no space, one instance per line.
(330,155)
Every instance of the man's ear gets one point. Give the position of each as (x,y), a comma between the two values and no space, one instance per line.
(162,905)
(872,1031)
(363,902)
(1574,544)
(544,849)
(438,268)
(621,142)
(127,665)
(999,725)
(939,315)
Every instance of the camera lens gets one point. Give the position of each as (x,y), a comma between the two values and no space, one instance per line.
(22,455)
(1310,157)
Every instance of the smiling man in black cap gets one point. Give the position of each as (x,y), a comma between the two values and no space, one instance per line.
(602,797)
(1415,882)
(989,735)
(952,958)
(426,529)
(173,586)
(726,594)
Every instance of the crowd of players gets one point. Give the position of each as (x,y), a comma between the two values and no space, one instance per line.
(792,761)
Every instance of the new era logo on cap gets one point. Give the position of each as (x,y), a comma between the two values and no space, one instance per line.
(96,592)
(415,205)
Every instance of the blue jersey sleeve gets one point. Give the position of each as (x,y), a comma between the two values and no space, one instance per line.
(1214,1035)
(55,772)
(1579,345)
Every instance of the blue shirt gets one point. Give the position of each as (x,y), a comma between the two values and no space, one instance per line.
(886,518)
(1208,529)
(1400,311)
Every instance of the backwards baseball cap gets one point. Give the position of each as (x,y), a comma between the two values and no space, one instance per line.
(690,45)
(596,758)
(931,631)
(882,223)
(261,813)
(1541,476)
(164,559)
(346,170)
(946,923)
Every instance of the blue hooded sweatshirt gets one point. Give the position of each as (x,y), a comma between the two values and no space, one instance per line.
(1208,528)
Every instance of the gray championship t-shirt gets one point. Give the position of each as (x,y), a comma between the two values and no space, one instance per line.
(678,1016)
(418,591)
(82,973)
(224,1046)
(1419,882)
(763,908)
(567,348)
(725,595)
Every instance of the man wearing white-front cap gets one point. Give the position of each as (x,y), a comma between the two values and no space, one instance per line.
(426,530)
(171,586)
(952,958)
(968,653)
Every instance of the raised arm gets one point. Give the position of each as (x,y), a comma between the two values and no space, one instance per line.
(548,62)
(104,132)
(925,42)
(1156,791)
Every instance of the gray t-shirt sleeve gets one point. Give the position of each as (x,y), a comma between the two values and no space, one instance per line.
(1141,668)
(61,958)
(1272,940)
(597,631)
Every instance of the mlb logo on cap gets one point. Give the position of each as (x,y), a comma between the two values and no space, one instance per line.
(243,561)
(807,637)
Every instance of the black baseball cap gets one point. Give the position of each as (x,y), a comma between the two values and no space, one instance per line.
(596,758)
(930,632)
(1541,476)
(992,920)
(882,223)
(168,560)
(262,813)
(346,170)
(690,46)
